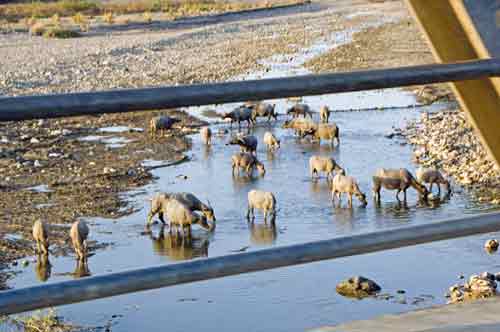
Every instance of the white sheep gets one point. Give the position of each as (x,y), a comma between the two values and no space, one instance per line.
(346,184)
(323,164)
(324,114)
(262,200)
(271,141)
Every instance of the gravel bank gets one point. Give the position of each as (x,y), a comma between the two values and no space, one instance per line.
(447,141)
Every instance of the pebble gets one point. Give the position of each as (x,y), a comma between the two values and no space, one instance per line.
(34,140)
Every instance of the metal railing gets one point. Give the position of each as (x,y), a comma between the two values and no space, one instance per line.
(22,108)
(126,100)
(106,285)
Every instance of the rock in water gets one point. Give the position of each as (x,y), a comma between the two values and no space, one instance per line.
(478,287)
(491,245)
(358,287)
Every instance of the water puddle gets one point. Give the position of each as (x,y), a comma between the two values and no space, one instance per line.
(112,142)
(120,129)
(42,188)
(263,301)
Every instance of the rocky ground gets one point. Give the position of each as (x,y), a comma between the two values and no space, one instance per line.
(447,141)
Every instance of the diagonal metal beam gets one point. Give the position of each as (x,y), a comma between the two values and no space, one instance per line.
(461,30)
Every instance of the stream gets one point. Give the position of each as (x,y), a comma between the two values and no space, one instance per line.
(286,299)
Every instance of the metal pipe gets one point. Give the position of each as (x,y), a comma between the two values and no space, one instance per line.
(25,299)
(126,100)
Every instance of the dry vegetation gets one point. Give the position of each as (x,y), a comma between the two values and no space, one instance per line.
(68,8)
(46,321)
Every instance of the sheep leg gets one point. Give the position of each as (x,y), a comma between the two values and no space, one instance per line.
(265,216)
(350,200)
(248,213)
(439,189)
(430,188)
(397,195)
(333,198)
(404,195)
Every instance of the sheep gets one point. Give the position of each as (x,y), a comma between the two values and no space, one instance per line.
(78,234)
(300,125)
(262,200)
(300,109)
(346,184)
(433,176)
(324,114)
(396,179)
(158,204)
(271,141)
(323,164)
(179,215)
(325,131)
(41,237)
(248,143)
(161,123)
(262,109)
(206,135)
(248,162)
(241,113)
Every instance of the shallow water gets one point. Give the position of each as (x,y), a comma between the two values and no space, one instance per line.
(287,299)
(305,214)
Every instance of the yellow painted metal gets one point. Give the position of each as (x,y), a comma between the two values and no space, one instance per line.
(454,36)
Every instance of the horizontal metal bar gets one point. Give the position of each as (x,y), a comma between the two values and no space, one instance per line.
(125,100)
(90,288)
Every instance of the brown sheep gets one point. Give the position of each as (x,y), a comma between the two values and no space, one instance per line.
(247,143)
(263,110)
(247,162)
(325,131)
(301,126)
(396,179)
(158,205)
(41,237)
(161,124)
(323,164)
(78,233)
(300,109)
(433,176)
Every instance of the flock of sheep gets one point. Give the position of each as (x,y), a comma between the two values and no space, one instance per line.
(182,210)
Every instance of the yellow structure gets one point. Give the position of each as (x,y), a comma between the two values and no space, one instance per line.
(460,30)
